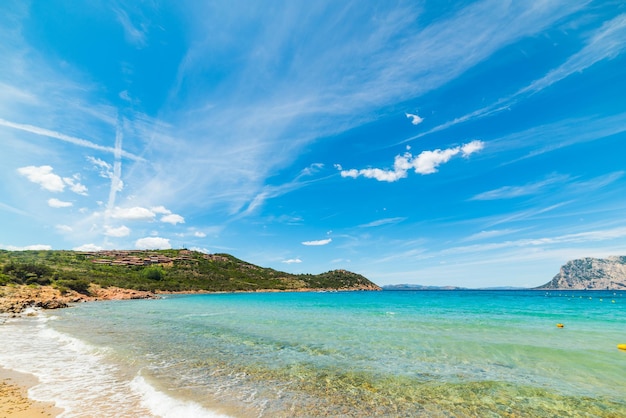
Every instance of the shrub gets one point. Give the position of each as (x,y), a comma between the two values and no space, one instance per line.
(153,273)
(80,286)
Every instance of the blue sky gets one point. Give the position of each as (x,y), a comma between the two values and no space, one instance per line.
(469,143)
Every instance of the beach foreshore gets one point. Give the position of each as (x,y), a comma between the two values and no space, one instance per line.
(14,395)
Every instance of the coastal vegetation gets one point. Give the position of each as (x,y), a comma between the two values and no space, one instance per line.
(177,270)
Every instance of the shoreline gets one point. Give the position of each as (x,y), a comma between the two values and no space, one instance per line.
(17,299)
(15,403)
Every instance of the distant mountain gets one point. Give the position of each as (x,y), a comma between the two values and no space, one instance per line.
(419,287)
(591,273)
(503,288)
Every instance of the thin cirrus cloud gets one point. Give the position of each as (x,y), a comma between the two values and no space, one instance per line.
(381,222)
(510,192)
(318,242)
(427,162)
(607,42)
(66,138)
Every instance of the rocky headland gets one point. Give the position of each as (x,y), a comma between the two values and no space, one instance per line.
(591,274)
(15,299)
(55,279)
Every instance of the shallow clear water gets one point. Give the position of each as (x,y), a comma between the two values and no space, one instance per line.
(352,354)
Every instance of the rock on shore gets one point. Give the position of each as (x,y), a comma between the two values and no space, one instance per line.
(591,273)
(16,299)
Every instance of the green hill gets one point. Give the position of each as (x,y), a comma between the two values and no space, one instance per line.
(161,270)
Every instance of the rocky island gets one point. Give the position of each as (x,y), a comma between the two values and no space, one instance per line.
(591,274)
(54,279)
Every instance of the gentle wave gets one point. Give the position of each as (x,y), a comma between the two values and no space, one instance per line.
(78,378)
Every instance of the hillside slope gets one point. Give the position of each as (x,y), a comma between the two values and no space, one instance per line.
(161,270)
(591,273)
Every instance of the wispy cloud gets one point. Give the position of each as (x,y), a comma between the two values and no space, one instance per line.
(607,42)
(381,222)
(135,34)
(427,162)
(318,242)
(510,192)
(577,238)
(292,261)
(66,138)
(490,234)
(372,63)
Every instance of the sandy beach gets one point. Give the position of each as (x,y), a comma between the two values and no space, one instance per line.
(14,300)
(14,395)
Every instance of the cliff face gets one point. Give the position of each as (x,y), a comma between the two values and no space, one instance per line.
(591,273)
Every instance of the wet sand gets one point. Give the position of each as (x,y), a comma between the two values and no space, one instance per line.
(14,401)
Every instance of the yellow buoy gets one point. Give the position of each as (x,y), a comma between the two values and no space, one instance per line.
(621,346)
(560,325)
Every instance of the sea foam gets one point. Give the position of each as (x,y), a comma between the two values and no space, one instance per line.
(78,378)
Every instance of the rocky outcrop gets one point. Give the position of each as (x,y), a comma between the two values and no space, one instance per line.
(16,299)
(591,273)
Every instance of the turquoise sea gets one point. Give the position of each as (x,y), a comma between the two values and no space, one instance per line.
(335,354)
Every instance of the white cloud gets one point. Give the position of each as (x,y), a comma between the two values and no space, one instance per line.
(121,231)
(415,119)
(44,177)
(292,261)
(173,219)
(107,169)
(199,234)
(153,243)
(75,186)
(427,162)
(318,242)
(201,250)
(34,247)
(88,248)
(472,147)
(136,213)
(56,203)
(161,209)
